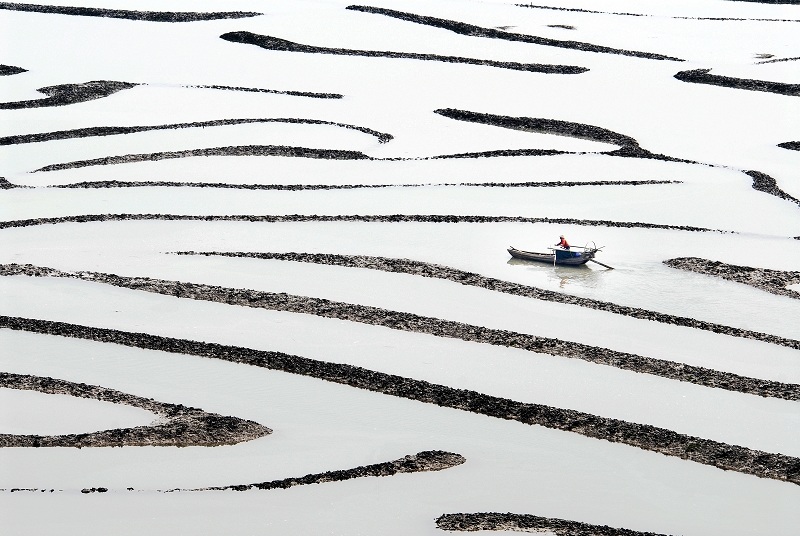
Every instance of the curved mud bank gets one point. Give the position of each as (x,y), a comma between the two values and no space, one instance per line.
(235,150)
(181,426)
(273,91)
(643,436)
(765,183)
(702,76)
(790,2)
(8,70)
(150,16)
(628,146)
(542,126)
(297,187)
(65,94)
(529,523)
(428,325)
(772,281)
(778,60)
(429,460)
(472,30)
(92,132)
(378,218)
(274,43)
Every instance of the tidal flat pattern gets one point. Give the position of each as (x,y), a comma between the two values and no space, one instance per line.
(284,231)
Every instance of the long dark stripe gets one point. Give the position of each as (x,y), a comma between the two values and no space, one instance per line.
(643,436)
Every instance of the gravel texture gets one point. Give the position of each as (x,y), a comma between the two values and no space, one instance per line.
(643,436)
(702,76)
(236,150)
(430,460)
(151,16)
(373,218)
(8,70)
(177,426)
(64,94)
(772,281)
(296,187)
(529,523)
(778,60)
(274,91)
(765,183)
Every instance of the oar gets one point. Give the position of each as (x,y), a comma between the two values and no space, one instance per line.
(601,264)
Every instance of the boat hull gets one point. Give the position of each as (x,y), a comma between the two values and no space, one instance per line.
(568,258)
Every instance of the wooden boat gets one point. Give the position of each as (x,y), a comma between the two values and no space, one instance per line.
(560,256)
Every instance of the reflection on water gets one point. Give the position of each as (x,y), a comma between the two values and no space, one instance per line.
(580,276)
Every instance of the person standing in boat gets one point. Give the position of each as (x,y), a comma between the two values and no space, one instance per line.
(563,242)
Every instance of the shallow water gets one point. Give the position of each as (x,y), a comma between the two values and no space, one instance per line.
(322,426)
(30,412)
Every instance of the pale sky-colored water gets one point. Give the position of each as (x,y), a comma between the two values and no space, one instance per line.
(320,426)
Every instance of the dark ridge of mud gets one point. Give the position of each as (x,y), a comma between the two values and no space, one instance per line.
(5,185)
(648,15)
(643,436)
(494,154)
(562,26)
(150,16)
(183,426)
(431,326)
(430,460)
(702,76)
(437,271)
(374,218)
(772,281)
(472,30)
(791,2)
(274,43)
(90,132)
(234,150)
(65,94)
(8,70)
(765,183)
(541,126)
(791,145)
(298,187)
(628,146)
(529,523)
(778,60)
(274,91)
